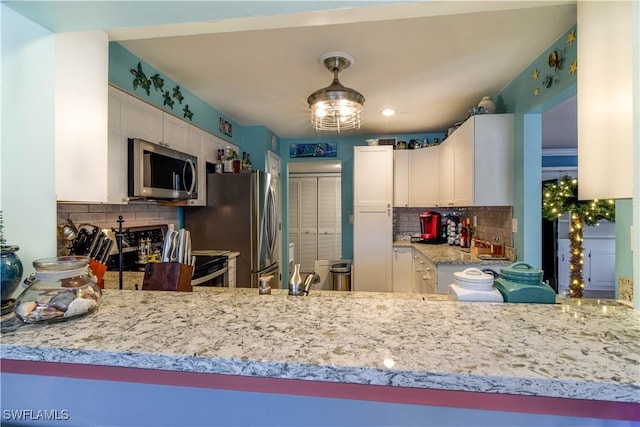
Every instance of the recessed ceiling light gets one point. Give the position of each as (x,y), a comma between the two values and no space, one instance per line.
(388,112)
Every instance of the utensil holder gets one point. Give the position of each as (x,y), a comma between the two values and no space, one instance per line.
(167,276)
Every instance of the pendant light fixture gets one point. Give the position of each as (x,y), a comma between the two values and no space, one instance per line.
(336,107)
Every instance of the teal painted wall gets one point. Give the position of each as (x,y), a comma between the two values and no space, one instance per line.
(121,61)
(538,88)
(624,254)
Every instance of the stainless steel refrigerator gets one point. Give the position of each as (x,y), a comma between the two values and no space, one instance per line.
(241,215)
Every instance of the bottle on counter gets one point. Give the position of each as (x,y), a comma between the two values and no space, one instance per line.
(295,281)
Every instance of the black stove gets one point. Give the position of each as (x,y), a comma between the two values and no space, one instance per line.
(211,270)
(131,241)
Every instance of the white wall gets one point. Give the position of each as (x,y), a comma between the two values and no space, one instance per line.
(27,182)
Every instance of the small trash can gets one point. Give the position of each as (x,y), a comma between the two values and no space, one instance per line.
(341,275)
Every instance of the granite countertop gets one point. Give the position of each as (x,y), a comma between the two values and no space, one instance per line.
(580,349)
(447,254)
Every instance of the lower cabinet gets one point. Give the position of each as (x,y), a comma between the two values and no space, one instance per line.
(403,269)
(425,274)
(372,249)
(415,272)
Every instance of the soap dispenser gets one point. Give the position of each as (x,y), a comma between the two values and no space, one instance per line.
(264,288)
(295,281)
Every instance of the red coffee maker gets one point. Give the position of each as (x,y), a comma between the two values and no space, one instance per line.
(430,225)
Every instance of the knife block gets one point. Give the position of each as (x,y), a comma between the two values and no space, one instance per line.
(167,276)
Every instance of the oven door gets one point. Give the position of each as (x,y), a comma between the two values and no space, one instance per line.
(210,271)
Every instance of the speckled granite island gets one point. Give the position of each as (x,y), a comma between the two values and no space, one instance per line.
(577,358)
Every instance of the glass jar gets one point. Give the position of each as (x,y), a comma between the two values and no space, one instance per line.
(60,289)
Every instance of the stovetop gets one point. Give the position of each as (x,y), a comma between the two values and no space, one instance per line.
(133,236)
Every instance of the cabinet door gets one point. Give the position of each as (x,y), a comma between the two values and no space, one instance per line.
(402,269)
(425,169)
(401,178)
(175,134)
(493,160)
(446,175)
(197,142)
(143,121)
(463,170)
(601,270)
(117,149)
(373,176)
(372,247)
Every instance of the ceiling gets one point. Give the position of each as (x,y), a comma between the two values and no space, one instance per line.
(429,61)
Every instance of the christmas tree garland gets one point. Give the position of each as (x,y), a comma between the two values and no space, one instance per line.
(561,199)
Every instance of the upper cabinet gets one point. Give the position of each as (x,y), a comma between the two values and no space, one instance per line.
(476,163)
(424,166)
(373,176)
(175,134)
(129,117)
(401,178)
(142,120)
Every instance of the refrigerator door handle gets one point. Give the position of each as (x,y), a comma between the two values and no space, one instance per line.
(271,220)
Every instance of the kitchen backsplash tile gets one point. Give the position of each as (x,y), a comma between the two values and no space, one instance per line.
(106,216)
(493,221)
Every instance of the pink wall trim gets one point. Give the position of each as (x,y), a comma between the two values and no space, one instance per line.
(375,393)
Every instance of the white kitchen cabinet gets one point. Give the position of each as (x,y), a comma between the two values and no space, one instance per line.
(373,175)
(482,162)
(117,148)
(403,269)
(401,178)
(175,135)
(446,176)
(143,121)
(81,116)
(424,167)
(197,142)
(372,249)
(425,274)
(373,218)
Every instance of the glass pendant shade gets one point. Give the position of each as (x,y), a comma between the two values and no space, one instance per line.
(336,107)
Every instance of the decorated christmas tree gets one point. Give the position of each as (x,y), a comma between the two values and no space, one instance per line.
(562,199)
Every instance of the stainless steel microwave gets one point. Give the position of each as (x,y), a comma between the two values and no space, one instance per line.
(157,172)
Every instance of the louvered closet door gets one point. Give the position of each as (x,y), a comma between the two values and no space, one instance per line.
(307,223)
(329,218)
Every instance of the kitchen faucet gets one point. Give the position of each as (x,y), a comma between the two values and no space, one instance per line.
(310,280)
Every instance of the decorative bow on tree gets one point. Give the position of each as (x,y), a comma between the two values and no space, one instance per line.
(561,199)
